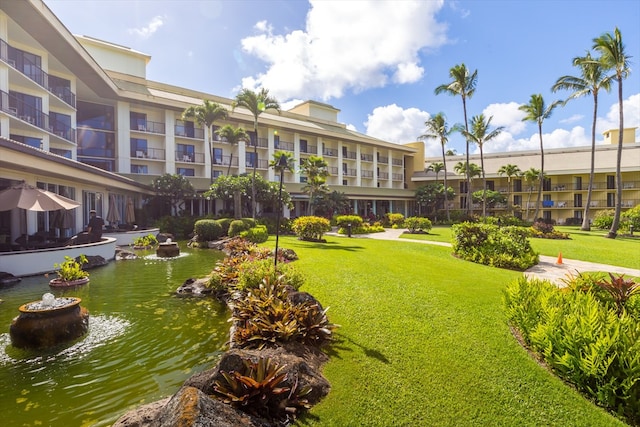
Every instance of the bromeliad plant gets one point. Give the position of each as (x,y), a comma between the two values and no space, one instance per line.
(267,316)
(70,269)
(261,389)
(620,290)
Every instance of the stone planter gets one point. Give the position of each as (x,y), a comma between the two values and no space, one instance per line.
(168,250)
(59,283)
(39,328)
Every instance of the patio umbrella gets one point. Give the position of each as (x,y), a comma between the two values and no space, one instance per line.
(30,198)
(129,213)
(113,214)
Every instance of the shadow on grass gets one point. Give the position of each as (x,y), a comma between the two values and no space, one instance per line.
(338,344)
(326,246)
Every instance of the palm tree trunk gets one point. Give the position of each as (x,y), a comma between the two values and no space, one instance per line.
(484,185)
(613,232)
(230,161)
(466,127)
(446,193)
(585,216)
(255,163)
(540,186)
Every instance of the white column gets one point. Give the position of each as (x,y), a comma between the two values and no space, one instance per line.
(358,167)
(170,142)
(123,137)
(242,157)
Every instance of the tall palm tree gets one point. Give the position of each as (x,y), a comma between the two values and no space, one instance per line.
(470,170)
(206,115)
(592,78)
(480,135)
(537,111)
(463,84)
(613,54)
(437,128)
(256,103)
(232,135)
(316,169)
(531,176)
(509,171)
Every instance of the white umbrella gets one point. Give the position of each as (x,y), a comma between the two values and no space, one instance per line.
(30,198)
(113,214)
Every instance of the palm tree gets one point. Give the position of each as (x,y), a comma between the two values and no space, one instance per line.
(470,170)
(436,167)
(510,171)
(437,129)
(611,48)
(232,135)
(206,115)
(532,175)
(479,135)
(316,169)
(256,103)
(462,84)
(537,111)
(593,78)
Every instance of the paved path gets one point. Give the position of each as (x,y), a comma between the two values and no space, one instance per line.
(547,268)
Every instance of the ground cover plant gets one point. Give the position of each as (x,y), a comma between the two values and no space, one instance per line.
(588,332)
(423,341)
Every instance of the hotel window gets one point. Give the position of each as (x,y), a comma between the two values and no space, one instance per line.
(577,200)
(140,169)
(345,182)
(94,143)
(60,124)
(216,174)
(95,116)
(217,156)
(185,153)
(27,140)
(186,172)
(546,184)
(611,200)
(517,185)
(578,182)
(611,182)
(251,159)
(138,121)
(490,186)
(185,128)
(138,148)
(28,63)
(303,145)
(28,107)
(276,141)
(517,200)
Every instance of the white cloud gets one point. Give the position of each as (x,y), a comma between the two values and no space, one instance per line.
(506,115)
(147,31)
(346,46)
(631,110)
(394,124)
(572,119)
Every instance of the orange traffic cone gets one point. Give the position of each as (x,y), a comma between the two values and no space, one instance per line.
(559,261)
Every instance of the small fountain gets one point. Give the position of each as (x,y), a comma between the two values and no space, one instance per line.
(49,322)
(168,249)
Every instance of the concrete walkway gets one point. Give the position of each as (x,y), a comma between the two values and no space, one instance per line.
(547,268)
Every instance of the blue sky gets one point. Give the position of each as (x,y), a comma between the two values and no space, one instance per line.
(379,62)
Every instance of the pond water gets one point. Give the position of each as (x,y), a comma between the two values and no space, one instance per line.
(143,342)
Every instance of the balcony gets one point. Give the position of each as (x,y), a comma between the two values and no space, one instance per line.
(366,174)
(283,145)
(396,162)
(149,153)
(333,170)
(349,155)
(262,143)
(366,157)
(225,161)
(148,127)
(309,149)
(382,159)
(397,176)
(330,152)
(188,132)
(349,172)
(383,175)
(181,156)
(262,164)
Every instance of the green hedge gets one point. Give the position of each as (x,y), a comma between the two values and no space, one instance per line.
(504,247)
(207,230)
(236,227)
(257,234)
(416,223)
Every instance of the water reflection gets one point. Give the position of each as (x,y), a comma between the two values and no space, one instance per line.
(143,342)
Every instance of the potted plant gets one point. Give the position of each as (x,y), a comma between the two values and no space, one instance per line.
(70,272)
(145,242)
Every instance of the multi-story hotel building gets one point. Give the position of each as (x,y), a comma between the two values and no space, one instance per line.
(79,117)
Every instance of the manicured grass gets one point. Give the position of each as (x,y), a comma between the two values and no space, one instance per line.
(424,342)
(584,245)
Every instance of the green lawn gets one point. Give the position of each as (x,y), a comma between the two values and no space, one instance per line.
(584,245)
(423,342)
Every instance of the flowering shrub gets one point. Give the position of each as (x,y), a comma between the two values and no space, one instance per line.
(544,230)
(603,219)
(343,221)
(310,227)
(504,247)
(395,220)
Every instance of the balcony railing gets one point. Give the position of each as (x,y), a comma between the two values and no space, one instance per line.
(39,76)
(148,126)
(349,172)
(181,156)
(383,175)
(284,145)
(224,161)
(262,143)
(397,176)
(366,157)
(149,153)
(396,162)
(262,164)
(27,113)
(382,159)
(188,132)
(330,152)
(366,173)
(349,155)
(310,149)
(333,170)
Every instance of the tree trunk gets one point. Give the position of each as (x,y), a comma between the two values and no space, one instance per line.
(613,233)
(255,164)
(484,185)
(586,226)
(541,178)
(466,127)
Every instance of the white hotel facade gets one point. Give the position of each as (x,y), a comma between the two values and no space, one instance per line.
(79,117)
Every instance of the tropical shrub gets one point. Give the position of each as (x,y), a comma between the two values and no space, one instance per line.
(310,227)
(271,224)
(71,269)
(236,227)
(249,222)
(207,230)
(180,226)
(417,223)
(260,388)
(251,273)
(585,340)
(631,217)
(342,221)
(257,234)
(395,220)
(145,241)
(266,315)
(603,219)
(504,247)
(224,224)
(545,230)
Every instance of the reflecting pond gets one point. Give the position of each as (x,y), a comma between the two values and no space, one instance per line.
(143,342)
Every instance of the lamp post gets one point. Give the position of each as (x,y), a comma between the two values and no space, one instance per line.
(282,165)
